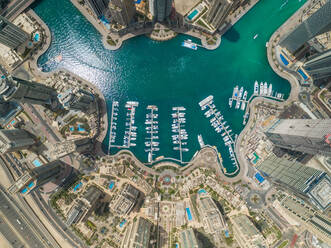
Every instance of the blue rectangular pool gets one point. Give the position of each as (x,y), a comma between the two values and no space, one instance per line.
(284,60)
(31,185)
(259,177)
(193,14)
(189,215)
(24,190)
(304,76)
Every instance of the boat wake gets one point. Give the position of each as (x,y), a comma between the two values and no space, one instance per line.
(283,4)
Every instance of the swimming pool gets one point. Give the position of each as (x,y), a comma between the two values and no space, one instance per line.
(80,128)
(284,60)
(71,129)
(78,186)
(189,215)
(304,76)
(227,233)
(202,191)
(37,163)
(111,185)
(24,190)
(13,122)
(36,37)
(259,177)
(122,223)
(193,14)
(31,185)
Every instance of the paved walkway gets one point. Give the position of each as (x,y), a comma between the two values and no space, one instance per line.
(295,88)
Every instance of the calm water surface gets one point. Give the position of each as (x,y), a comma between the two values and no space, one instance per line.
(166,74)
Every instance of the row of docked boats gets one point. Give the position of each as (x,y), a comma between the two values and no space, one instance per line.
(179,136)
(219,124)
(113,123)
(240,96)
(263,90)
(130,134)
(152,130)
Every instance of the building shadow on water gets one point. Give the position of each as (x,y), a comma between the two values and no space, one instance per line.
(231,35)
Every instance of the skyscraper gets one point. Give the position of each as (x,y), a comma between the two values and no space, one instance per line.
(319,66)
(122,11)
(11,35)
(98,6)
(246,233)
(14,140)
(307,136)
(4,107)
(19,90)
(218,11)
(36,177)
(187,239)
(160,9)
(318,23)
(137,234)
(76,99)
(212,218)
(308,182)
(310,219)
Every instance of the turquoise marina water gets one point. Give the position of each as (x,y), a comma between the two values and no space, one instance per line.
(166,74)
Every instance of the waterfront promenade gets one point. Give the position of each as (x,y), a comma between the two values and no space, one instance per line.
(162,35)
(279,70)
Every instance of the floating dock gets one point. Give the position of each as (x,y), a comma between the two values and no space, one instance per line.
(180,134)
(152,131)
(113,124)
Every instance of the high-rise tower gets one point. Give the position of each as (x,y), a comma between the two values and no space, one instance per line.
(14,140)
(122,11)
(303,180)
(77,99)
(160,9)
(11,35)
(19,90)
(318,23)
(36,177)
(319,66)
(218,11)
(98,6)
(307,136)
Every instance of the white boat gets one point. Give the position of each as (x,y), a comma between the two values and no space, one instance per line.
(265,88)
(189,44)
(201,143)
(261,88)
(270,90)
(245,95)
(238,104)
(230,102)
(256,88)
(243,106)
(255,36)
(235,92)
(241,92)
(149,157)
